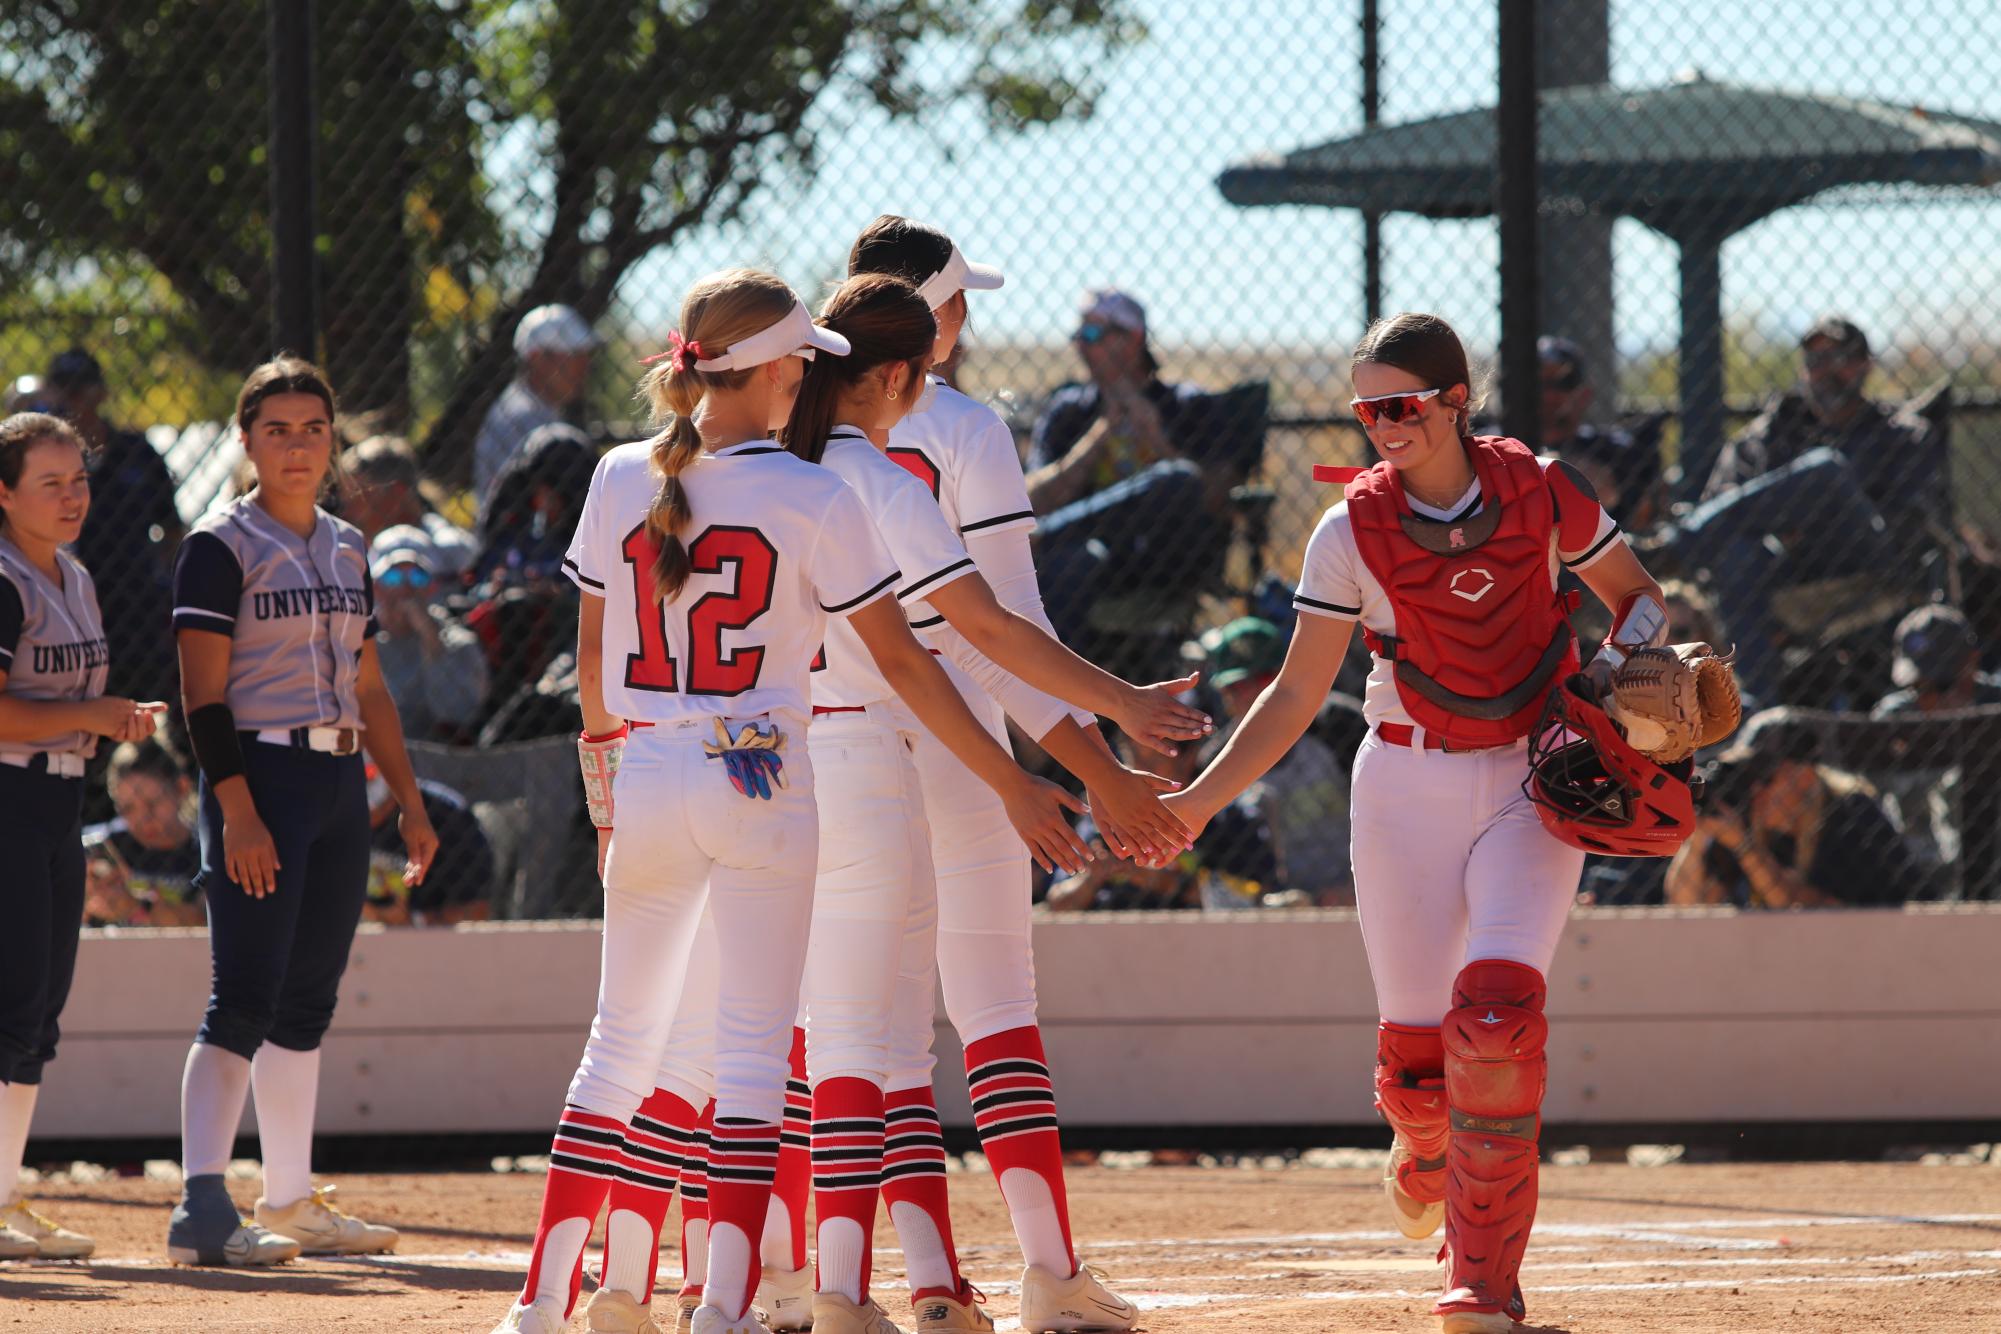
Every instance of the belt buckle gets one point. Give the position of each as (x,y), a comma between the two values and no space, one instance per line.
(346,741)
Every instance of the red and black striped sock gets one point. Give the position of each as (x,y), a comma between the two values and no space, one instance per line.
(583,1161)
(1014,1110)
(695,1206)
(784,1244)
(743,1156)
(656,1150)
(914,1192)
(847,1172)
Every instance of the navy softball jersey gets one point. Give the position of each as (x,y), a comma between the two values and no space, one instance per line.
(52,648)
(297,611)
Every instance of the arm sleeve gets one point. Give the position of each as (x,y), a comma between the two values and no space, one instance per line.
(992,489)
(374,626)
(1033,710)
(1004,557)
(580,562)
(850,567)
(1328,583)
(11,616)
(208,585)
(1584,531)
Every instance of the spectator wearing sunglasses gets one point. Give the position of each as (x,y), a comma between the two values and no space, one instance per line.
(435,667)
(1829,509)
(381,486)
(1129,474)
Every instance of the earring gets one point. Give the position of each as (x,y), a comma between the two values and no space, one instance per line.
(892,396)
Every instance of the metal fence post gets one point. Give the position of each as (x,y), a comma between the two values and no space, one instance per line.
(1372,110)
(294,267)
(1515,203)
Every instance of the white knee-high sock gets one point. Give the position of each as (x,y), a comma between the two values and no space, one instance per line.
(287,1085)
(213,1087)
(17,1109)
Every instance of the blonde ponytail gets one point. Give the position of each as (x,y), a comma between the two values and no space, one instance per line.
(722,309)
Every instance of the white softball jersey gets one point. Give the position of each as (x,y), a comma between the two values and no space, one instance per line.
(284,601)
(920,540)
(778,547)
(1336,582)
(51,641)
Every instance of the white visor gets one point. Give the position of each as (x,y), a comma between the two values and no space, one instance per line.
(958,275)
(794,336)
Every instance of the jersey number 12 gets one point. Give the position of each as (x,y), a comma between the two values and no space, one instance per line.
(710,670)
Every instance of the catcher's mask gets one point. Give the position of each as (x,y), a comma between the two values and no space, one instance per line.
(1595,792)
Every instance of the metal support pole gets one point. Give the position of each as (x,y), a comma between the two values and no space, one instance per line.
(1701,361)
(294,272)
(1515,204)
(1372,110)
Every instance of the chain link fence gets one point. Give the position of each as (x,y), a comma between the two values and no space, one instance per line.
(1766,285)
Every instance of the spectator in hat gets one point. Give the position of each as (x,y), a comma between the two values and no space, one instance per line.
(552,350)
(1780,829)
(1302,802)
(1131,475)
(1625,473)
(1944,805)
(1826,490)
(435,667)
(382,487)
(131,533)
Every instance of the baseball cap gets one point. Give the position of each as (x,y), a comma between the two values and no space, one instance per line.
(1933,643)
(554,329)
(1246,647)
(959,275)
(75,369)
(1109,306)
(403,544)
(1839,331)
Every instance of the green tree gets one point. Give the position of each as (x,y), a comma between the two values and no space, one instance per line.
(133,132)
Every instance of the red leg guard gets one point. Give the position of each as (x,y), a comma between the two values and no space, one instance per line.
(1495,1070)
(1410,1093)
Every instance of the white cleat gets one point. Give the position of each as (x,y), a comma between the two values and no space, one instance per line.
(1082,1302)
(614,1312)
(835,1314)
(17,1245)
(542,1316)
(52,1241)
(962,1314)
(785,1299)
(684,1317)
(1476,1322)
(711,1320)
(321,1229)
(249,1247)
(1414,1218)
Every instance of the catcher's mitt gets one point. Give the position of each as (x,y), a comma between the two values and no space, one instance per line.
(1673,701)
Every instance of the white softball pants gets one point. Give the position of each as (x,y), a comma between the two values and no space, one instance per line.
(1452,864)
(975,930)
(875,872)
(683,835)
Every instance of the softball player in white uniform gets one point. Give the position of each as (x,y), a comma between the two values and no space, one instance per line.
(1462,892)
(979,937)
(709,562)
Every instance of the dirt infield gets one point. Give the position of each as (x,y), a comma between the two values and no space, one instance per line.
(1683,1249)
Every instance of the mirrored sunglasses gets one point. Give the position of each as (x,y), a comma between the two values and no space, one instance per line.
(1092,333)
(1391,408)
(405,576)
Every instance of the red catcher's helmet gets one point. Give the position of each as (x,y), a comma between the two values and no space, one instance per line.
(1595,792)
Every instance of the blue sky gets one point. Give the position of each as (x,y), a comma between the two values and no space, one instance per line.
(1129,197)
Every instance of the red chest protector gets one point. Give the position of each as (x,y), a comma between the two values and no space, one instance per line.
(1483,633)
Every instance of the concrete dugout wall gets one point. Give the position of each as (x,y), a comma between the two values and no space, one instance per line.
(1170,1019)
